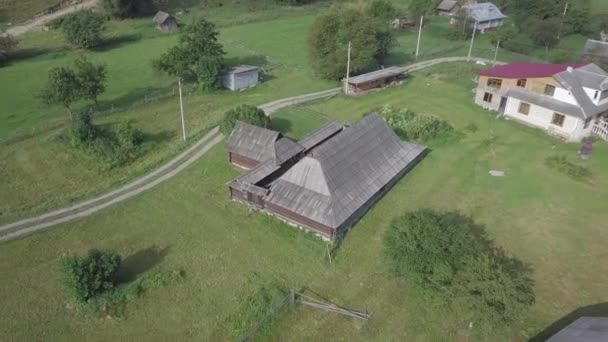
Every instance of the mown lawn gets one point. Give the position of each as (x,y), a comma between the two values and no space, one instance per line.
(43,172)
(540,216)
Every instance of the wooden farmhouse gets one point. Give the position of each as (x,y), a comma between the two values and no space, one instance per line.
(241,77)
(324,182)
(165,22)
(569,101)
(448,8)
(378,79)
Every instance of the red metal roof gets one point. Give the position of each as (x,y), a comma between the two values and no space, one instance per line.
(527,70)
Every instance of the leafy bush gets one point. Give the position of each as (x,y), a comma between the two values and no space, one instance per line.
(114,302)
(255,305)
(561,164)
(7,45)
(520,43)
(447,255)
(382,9)
(245,113)
(83,29)
(412,126)
(90,276)
(111,148)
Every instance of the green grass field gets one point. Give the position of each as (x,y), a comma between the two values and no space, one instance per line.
(38,182)
(535,213)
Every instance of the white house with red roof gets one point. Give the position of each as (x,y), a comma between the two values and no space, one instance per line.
(566,100)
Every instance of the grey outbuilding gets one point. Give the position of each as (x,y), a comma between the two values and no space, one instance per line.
(241,77)
(165,22)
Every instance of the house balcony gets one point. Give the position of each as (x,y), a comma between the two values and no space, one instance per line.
(600,127)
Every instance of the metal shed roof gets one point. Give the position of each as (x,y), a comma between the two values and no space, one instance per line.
(160,17)
(447,5)
(377,75)
(341,175)
(241,69)
(584,329)
(596,48)
(484,11)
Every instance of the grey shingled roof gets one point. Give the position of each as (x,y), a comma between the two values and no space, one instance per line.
(447,5)
(252,142)
(584,329)
(160,17)
(318,136)
(590,76)
(377,75)
(546,102)
(286,149)
(341,175)
(484,11)
(596,48)
(241,69)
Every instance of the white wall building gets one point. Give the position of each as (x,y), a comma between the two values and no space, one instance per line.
(571,104)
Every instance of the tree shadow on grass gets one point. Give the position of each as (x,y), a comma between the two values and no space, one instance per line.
(281,125)
(139,263)
(116,42)
(595,310)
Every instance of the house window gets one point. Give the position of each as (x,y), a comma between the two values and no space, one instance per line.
(587,122)
(522,82)
(558,119)
(494,83)
(604,95)
(595,95)
(549,90)
(487,97)
(524,108)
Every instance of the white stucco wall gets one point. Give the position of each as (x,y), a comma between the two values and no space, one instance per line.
(539,117)
(564,96)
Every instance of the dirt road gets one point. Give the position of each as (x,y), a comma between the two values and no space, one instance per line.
(38,23)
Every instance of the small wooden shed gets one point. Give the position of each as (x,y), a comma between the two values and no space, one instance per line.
(241,77)
(374,80)
(165,22)
(448,8)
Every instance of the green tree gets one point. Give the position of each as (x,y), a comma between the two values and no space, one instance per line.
(88,277)
(197,56)
(245,113)
(91,78)
(62,88)
(83,29)
(544,32)
(7,45)
(448,255)
(328,41)
(127,8)
(418,8)
(382,9)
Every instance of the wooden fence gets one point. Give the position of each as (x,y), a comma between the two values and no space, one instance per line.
(296,297)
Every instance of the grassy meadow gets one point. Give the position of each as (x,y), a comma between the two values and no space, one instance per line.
(32,132)
(537,214)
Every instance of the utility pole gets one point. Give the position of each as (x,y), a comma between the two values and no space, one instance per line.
(347,70)
(472,41)
(419,36)
(181,106)
(496,52)
(561,24)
